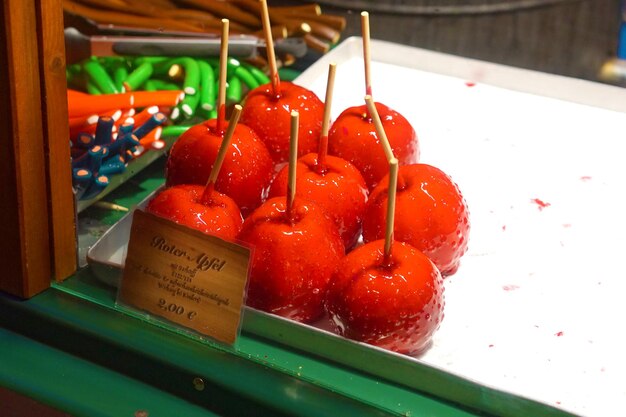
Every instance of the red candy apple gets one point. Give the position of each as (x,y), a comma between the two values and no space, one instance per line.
(213,213)
(248,167)
(332,183)
(431,215)
(203,207)
(268,113)
(396,305)
(296,248)
(353,137)
(337,187)
(293,259)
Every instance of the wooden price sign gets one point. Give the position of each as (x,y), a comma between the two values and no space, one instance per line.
(185,276)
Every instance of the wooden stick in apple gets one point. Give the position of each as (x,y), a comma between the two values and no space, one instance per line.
(203,207)
(432,193)
(365,33)
(293,162)
(267,108)
(350,137)
(331,182)
(391,208)
(389,297)
(296,248)
(221,154)
(249,165)
(378,125)
(221,94)
(323,146)
(269,44)
(380,131)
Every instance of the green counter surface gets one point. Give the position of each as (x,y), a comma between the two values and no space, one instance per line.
(120,359)
(80,387)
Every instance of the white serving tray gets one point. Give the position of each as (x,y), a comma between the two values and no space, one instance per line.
(535,307)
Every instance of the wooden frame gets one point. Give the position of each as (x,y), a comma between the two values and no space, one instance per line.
(37,231)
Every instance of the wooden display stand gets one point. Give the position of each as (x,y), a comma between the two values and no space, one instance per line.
(37,230)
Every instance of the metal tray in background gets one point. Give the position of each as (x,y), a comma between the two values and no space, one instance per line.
(106,257)
(539,159)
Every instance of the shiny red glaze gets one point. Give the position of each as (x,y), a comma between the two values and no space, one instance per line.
(397,306)
(183,204)
(292,262)
(431,215)
(353,137)
(270,117)
(339,189)
(246,172)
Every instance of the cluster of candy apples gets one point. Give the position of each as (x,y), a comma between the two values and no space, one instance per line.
(304,219)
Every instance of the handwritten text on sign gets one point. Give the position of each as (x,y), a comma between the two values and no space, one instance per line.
(185,276)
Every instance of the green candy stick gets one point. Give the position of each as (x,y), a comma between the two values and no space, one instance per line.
(150,59)
(155,84)
(260,76)
(233,92)
(189,105)
(207,86)
(231,65)
(248,79)
(92,88)
(120,73)
(191,82)
(173,131)
(140,75)
(98,75)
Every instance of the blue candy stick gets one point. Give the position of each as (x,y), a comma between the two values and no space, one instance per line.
(95,159)
(81,178)
(104,129)
(154,121)
(113,166)
(84,140)
(99,183)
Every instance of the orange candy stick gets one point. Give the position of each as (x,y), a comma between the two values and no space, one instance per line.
(88,105)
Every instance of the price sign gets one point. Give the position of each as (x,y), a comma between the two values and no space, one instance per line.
(185,276)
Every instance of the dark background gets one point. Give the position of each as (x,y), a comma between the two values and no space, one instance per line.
(567,37)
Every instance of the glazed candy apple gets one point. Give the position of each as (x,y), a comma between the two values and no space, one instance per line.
(353,137)
(293,260)
(203,207)
(268,114)
(337,187)
(247,170)
(210,212)
(431,215)
(396,306)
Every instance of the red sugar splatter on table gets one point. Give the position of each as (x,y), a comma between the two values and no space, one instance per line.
(585,178)
(567,225)
(490,346)
(470,83)
(504,227)
(510,287)
(559,334)
(540,204)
